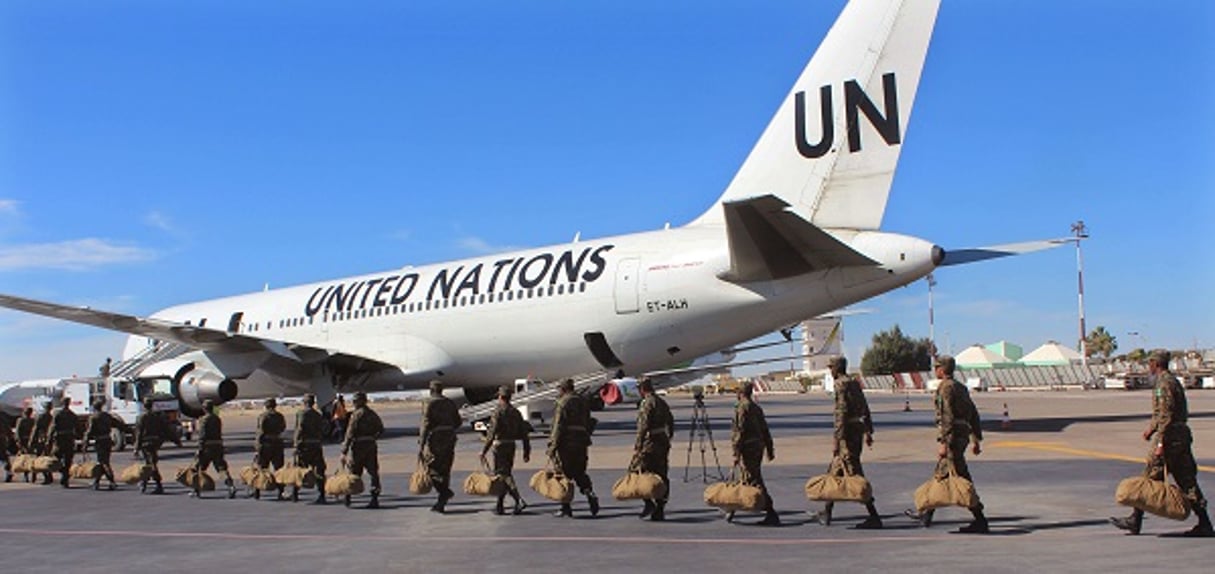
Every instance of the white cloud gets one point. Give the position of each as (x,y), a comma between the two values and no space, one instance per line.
(480,246)
(71,255)
(10,207)
(159,221)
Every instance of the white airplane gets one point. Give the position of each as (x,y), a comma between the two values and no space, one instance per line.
(795,235)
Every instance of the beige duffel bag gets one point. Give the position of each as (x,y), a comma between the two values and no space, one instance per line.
(732,496)
(948,490)
(484,484)
(23,463)
(46,464)
(1155,496)
(136,473)
(86,471)
(639,486)
(419,481)
(258,478)
(297,476)
(553,486)
(832,488)
(186,476)
(344,484)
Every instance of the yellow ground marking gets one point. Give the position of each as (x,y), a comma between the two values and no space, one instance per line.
(1062,449)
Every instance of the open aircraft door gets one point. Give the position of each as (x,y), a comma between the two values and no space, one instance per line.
(626,285)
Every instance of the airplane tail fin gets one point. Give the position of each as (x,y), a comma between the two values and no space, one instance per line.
(831,149)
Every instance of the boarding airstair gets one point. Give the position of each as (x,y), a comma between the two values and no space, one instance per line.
(546,391)
(161,351)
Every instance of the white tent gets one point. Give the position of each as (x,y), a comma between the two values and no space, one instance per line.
(980,357)
(1051,353)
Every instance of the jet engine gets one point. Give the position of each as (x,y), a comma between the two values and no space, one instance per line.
(617,391)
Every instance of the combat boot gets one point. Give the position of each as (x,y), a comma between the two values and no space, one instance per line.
(320,498)
(375,500)
(771,518)
(256,494)
(500,507)
(280,494)
(977,526)
(824,516)
(1131,524)
(648,510)
(519,506)
(659,514)
(8,477)
(232,489)
(593,502)
(873,522)
(924,518)
(566,511)
(295,493)
(1203,528)
(347,501)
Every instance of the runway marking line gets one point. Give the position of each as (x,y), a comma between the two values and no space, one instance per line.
(1063,449)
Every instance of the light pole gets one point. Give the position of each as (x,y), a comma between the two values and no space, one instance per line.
(932,361)
(1081,233)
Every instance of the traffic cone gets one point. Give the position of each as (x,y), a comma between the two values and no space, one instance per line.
(1006,422)
(907,404)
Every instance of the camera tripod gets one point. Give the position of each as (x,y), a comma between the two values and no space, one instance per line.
(700,430)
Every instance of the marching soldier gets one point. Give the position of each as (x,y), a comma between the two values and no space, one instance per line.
(62,438)
(25,434)
(440,419)
(651,451)
(506,425)
(359,448)
(309,432)
(853,431)
(957,421)
(211,450)
(270,427)
(7,446)
(101,423)
(568,443)
(151,430)
(750,440)
(1173,447)
(38,445)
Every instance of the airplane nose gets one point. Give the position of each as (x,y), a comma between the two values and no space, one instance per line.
(938,255)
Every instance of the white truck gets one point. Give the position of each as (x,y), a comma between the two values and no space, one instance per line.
(123,398)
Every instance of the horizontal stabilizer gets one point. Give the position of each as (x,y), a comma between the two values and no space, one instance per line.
(961,256)
(767,241)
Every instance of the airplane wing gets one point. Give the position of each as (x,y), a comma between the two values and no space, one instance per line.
(203,338)
(963,256)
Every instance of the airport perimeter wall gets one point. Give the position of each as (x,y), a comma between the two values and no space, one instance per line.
(1008,378)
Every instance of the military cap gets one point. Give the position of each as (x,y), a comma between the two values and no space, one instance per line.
(310,399)
(946,362)
(271,403)
(839,363)
(646,384)
(66,401)
(747,388)
(505,391)
(1161,357)
(567,385)
(147,402)
(436,386)
(99,404)
(360,397)
(208,404)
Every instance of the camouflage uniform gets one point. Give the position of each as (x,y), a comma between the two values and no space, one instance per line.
(652,449)
(440,419)
(567,447)
(309,432)
(25,436)
(211,449)
(750,439)
(151,430)
(38,445)
(957,421)
(361,434)
(853,424)
(7,446)
(269,438)
(100,426)
(506,425)
(62,436)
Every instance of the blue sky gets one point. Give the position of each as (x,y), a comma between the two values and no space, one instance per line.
(153,153)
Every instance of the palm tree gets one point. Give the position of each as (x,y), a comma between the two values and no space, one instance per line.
(1100,342)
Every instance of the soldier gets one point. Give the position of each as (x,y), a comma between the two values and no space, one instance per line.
(440,419)
(62,438)
(25,434)
(506,425)
(957,421)
(38,445)
(7,445)
(309,432)
(568,443)
(853,431)
(151,430)
(104,369)
(211,449)
(101,423)
(1172,449)
(651,451)
(750,440)
(270,427)
(359,448)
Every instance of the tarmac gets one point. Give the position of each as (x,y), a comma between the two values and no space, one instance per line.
(1047,478)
